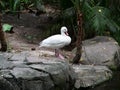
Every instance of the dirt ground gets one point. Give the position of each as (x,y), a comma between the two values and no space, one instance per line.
(28,30)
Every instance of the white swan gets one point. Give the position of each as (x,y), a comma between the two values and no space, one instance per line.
(57,41)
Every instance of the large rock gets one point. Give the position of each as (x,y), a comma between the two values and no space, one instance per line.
(25,71)
(101,50)
(89,75)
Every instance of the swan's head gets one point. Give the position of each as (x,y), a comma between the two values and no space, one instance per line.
(64,31)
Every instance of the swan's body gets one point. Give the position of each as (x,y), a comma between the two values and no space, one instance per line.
(57,41)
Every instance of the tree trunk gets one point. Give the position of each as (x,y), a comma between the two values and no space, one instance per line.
(80,37)
(2,39)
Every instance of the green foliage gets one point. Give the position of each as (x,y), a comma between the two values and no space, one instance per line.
(65,4)
(9,5)
(53,30)
(116,36)
(7,27)
(99,16)
(18,5)
(77,4)
(38,4)
(52,2)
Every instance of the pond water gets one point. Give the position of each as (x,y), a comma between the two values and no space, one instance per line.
(113,84)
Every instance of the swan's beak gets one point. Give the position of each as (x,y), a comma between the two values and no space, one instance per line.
(66,33)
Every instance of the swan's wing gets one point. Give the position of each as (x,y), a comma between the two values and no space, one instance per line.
(55,41)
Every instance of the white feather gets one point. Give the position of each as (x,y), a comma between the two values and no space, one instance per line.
(57,41)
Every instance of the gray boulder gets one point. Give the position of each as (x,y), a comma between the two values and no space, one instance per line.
(25,71)
(89,75)
(101,50)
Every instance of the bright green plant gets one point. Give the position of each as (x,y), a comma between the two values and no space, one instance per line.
(7,27)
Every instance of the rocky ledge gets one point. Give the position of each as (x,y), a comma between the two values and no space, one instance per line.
(40,70)
(36,70)
(25,71)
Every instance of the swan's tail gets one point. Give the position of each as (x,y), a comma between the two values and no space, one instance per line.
(40,45)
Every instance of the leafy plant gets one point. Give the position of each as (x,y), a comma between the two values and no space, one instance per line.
(18,5)
(7,27)
(65,4)
(99,18)
(99,15)
(9,5)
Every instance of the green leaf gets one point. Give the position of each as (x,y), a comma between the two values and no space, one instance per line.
(16,4)
(2,4)
(7,27)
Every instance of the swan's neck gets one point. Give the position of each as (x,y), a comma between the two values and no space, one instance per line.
(62,33)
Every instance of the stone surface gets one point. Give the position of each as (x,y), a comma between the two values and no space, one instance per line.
(40,70)
(101,50)
(89,75)
(29,71)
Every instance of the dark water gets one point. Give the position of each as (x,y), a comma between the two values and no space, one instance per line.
(113,84)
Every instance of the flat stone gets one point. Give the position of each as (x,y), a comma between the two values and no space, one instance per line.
(4,64)
(89,75)
(18,56)
(27,73)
